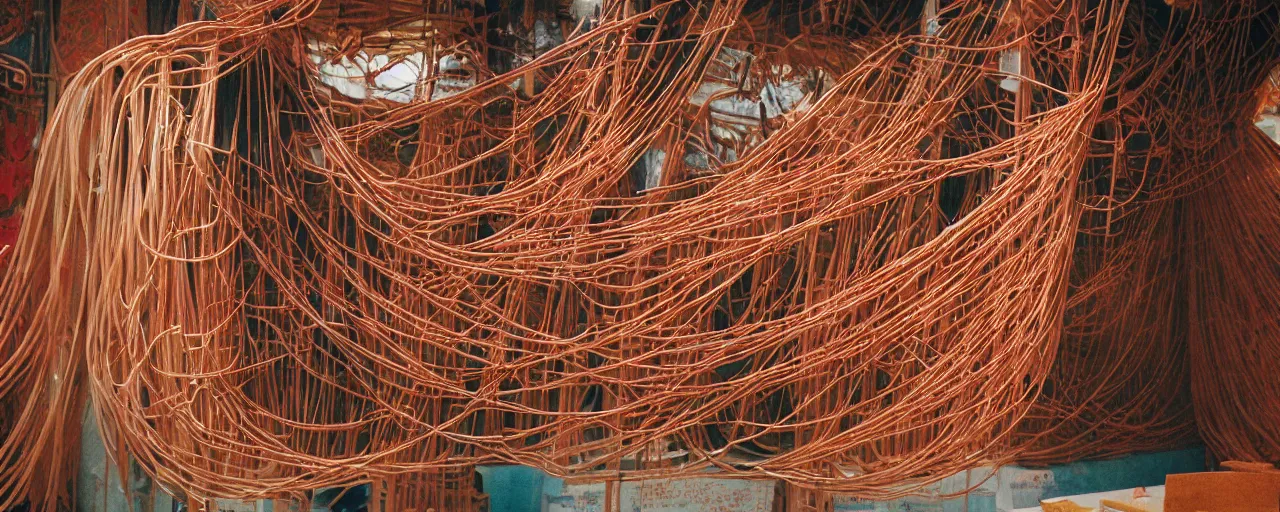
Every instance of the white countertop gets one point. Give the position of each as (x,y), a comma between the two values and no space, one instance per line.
(1155,502)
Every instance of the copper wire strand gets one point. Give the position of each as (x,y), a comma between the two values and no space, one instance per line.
(263,288)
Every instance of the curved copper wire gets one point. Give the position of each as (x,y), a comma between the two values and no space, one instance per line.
(265,288)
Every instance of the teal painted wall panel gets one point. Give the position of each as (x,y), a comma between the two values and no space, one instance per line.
(513,488)
(524,489)
(1140,470)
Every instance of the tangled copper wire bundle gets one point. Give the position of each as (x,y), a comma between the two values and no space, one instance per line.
(923,263)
